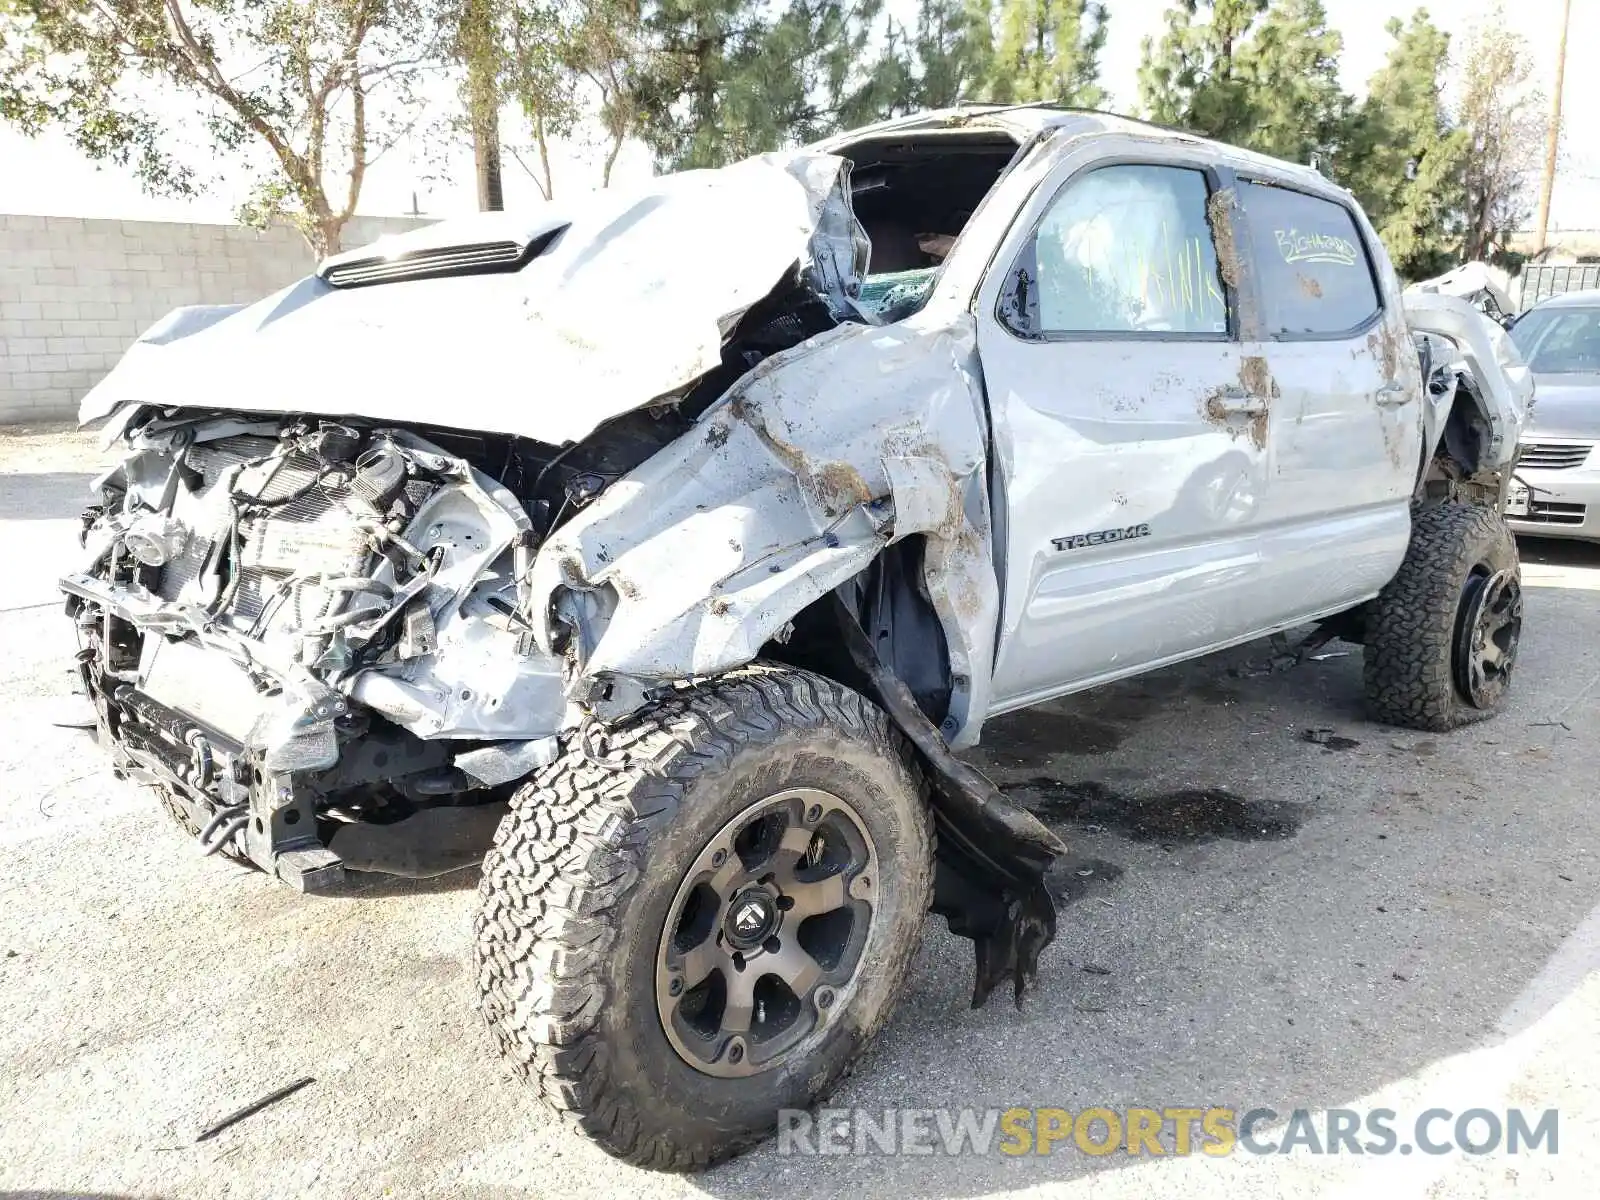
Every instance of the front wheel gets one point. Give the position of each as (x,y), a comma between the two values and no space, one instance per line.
(700,917)
(1441,638)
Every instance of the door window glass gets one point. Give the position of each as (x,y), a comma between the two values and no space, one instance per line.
(1315,276)
(1122,250)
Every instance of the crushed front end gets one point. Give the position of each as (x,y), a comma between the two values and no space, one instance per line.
(304,631)
(524,500)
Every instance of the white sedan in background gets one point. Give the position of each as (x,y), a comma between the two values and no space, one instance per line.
(1556,492)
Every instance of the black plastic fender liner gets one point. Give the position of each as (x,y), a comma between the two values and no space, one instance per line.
(992,856)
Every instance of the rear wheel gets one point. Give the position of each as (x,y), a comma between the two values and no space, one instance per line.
(701,916)
(1442,637)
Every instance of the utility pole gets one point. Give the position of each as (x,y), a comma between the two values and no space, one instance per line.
(1553,138)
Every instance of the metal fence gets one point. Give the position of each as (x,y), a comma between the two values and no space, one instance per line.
(1540,281)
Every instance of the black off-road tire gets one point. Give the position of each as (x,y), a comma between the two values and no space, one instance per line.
(576,892)
(1412,626)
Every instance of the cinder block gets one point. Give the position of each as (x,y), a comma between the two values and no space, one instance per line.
(145,262)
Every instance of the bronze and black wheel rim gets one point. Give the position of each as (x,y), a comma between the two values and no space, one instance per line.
(1487,632)
(762,944)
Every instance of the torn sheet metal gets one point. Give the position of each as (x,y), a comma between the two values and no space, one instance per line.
(1491,358)
(992,855)
(628,304)
(785,489)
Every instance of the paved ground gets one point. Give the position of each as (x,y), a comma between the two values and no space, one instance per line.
(1251,918)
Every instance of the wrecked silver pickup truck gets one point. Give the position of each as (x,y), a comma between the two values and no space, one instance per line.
(675,539)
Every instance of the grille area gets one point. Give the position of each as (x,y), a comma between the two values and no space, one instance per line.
(204,512)
(425,264)
(1554,456)
(1551,513)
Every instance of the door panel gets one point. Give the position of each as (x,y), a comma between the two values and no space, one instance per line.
(1345,435)
(1112,440)
(1128,434)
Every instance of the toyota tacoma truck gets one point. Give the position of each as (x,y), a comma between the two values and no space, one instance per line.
(659,552)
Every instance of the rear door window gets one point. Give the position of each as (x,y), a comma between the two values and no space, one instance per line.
(1316,278)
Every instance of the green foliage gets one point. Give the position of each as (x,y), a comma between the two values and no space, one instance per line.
(1048,50)
(316,88)
(1439,185)
(1405,160)
(717,80)
(1291,63)
(1192,78)
(1259,75)
(954,52)
(305,94)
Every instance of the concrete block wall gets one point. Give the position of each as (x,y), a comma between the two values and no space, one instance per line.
(75,292)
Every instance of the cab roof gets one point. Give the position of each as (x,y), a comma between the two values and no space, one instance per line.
(1023,122)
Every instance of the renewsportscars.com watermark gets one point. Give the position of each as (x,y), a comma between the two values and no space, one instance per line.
(1216,1132)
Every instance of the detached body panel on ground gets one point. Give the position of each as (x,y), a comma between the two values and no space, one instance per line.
(692,530)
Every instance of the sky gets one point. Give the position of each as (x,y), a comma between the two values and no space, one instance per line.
(48,176)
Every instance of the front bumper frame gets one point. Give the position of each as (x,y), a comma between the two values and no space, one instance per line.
(205,770)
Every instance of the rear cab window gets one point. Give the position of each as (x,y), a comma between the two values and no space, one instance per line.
(1316,277)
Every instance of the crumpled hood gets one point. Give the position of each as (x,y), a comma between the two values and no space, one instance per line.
(629,302)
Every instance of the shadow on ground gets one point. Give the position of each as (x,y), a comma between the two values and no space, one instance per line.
(1270,901)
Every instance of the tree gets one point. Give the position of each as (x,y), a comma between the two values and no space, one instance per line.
(322,87)
(1505,125)
(607,48)
(953,51)
(947,59)
(1048,50)
(1291,67)
(722,79)
(477,45)
(543,50)
(1406,159)
(1191,79)
(1253,74)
